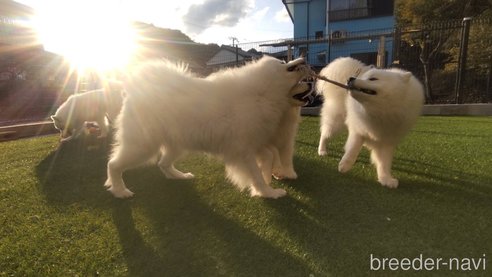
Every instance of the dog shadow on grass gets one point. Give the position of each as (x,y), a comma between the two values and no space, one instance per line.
(166,229)
(339,220)
(71,173)
(188,238)
(444,181)
(332,221)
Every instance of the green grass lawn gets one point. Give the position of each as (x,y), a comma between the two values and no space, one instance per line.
(56,219)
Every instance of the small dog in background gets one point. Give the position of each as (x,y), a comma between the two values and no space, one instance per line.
(92,106)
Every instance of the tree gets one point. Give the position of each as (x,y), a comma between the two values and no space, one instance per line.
(421,11)
(432,38)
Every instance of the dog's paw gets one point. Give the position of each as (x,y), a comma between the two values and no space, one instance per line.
(172,173)
(188,175)
(270,193)
(322,152)
(345,166)
(180,176)
(121,193)
(108,184)
(389,182)
(281,175)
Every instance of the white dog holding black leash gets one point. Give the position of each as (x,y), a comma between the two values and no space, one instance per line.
(378,106)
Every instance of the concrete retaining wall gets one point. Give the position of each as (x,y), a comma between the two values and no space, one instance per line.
(27,130)
(445,109)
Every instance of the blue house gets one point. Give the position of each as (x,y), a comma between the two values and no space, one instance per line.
(327,29)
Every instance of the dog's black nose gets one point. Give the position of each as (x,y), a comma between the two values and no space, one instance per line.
(350,82)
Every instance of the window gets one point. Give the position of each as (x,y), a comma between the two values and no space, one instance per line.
(347,9)
(336,5)
(381,7)
(351,9)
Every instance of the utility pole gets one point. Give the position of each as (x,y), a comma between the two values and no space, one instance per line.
(234,39)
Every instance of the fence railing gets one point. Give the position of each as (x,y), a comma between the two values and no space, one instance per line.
(453,59)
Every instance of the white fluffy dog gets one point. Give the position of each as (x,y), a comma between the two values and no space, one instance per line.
(334,111)
(380,109)
(233,114)
(94,106)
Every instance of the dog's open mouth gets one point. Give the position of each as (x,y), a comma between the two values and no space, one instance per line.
(305,96)
(352,87)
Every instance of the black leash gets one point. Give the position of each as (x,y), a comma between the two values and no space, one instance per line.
(347,87)
(331,81)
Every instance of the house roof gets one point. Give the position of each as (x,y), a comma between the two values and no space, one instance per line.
(240,51)
(289,5)
(227,55)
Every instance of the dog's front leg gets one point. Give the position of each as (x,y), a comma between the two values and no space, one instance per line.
(266,159)
(166,164)
(382,157)
(259,187)
(352,148)
(246,173)
(284,142)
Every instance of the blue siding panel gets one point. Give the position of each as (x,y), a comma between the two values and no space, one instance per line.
(310,17)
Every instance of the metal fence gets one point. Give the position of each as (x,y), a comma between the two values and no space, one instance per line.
(453,59)
(373,46)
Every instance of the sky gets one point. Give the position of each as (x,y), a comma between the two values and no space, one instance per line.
(205,21)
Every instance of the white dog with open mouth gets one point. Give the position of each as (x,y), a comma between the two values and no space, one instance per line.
(233,114)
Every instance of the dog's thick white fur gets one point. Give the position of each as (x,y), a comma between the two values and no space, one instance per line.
(234,114)
(334,111)
(94,105)
(284,142)
(379,121)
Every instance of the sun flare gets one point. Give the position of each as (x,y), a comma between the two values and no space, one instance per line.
(89,35)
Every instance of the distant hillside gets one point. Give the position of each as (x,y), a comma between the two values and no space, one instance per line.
(173,45)
(151,31)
